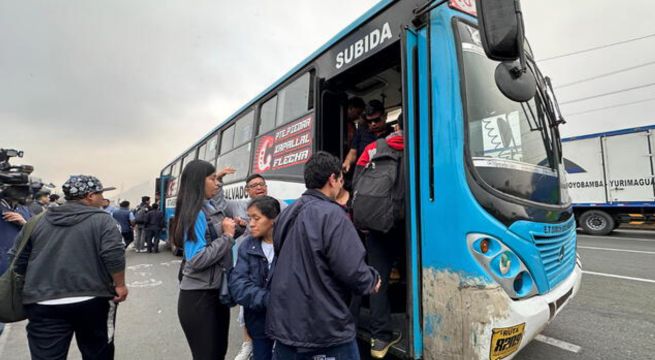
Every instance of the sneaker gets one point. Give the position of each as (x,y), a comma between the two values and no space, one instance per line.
(246,351)
(379,348)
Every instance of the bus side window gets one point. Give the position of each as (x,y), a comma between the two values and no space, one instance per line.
(267,115)
(236,146)
(296,99)
(227,139)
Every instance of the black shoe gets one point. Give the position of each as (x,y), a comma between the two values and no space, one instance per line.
(379,348)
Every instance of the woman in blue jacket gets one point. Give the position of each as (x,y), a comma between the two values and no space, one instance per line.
(207,237)
(249,278)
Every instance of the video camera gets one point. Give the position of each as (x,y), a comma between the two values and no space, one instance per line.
(14,179)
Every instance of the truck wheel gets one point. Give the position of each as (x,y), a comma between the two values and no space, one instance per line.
(596,222)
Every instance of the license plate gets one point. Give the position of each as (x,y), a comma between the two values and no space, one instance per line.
(505,341)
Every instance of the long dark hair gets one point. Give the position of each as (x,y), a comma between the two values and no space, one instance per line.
(190,198)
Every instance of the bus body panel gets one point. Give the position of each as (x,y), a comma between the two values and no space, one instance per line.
(459,309)
(463,306)
(413,83)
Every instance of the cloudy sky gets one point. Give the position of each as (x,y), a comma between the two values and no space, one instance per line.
(119,88)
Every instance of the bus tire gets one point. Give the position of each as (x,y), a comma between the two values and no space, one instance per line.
(596,222)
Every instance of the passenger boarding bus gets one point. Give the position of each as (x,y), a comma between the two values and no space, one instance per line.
(490,243)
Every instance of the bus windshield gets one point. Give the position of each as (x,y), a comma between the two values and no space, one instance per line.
(509,143)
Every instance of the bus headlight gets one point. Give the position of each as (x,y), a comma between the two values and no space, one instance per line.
(503,265)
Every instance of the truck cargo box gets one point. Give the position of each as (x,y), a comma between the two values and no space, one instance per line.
(611,178)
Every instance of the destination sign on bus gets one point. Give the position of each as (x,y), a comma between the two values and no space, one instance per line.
(367,40)
(284,147)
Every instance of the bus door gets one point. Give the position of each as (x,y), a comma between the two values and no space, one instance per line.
(414,64)
(331,126)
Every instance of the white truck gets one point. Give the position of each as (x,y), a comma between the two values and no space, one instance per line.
(611,178)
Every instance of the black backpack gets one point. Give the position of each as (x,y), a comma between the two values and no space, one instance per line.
(140,216)
(379,189)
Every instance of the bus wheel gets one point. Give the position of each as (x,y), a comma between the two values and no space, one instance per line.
(596,222)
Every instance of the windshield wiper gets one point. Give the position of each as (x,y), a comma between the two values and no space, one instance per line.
(557,114)
(545,88)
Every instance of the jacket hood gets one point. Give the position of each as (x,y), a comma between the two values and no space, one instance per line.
(396,142)
(70,214)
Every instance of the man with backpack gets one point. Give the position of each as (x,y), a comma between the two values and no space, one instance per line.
(153,226)
(378,209)
(140,221)
(375,128)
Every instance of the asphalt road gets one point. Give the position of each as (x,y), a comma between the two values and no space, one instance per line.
(612,317)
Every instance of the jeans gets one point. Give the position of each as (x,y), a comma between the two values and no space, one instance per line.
(382,251)
(51,328)
(152,240)
(139,237)
(262,349)
(347,351)
(128,238)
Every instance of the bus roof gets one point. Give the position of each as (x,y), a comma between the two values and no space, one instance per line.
(382,4)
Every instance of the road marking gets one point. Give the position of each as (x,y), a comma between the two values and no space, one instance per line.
(3,338)
(139,266)
(620,250)
(558,343)
(619,277)
(596,238)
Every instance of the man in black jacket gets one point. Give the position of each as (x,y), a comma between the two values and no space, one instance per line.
(320,263)
(74,266)
(154,223)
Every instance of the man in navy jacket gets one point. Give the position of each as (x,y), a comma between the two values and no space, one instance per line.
(320,263)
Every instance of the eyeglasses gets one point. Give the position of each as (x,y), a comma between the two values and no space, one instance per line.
(374,120)
(256,185)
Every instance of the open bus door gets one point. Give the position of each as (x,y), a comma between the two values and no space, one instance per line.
(414,63)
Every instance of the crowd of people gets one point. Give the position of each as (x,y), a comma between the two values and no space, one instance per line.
(297,273)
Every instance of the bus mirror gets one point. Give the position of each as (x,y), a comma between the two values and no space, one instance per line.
(515,83)
(500,28)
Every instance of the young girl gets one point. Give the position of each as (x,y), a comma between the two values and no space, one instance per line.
(207,238)
(249,278)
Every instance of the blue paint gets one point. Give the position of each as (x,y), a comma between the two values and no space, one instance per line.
(432,324)
(412,43)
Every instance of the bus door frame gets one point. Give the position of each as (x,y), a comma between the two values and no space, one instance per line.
(415,59)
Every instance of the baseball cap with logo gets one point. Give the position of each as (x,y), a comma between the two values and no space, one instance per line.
(77,186)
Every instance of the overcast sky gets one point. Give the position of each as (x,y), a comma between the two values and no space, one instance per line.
(117,89)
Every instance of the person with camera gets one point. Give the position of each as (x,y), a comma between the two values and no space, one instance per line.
(14,216)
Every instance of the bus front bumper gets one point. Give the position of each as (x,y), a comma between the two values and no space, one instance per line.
(537,312)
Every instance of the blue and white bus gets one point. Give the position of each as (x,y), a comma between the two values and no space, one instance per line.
(490,236)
